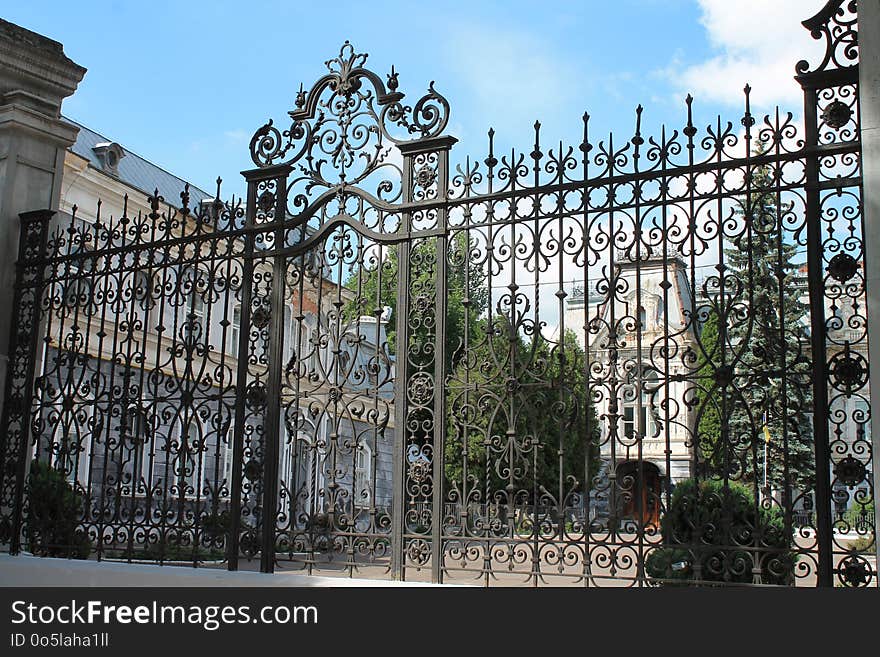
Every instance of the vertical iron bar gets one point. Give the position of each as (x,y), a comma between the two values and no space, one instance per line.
(816,284)
(244,330)
(272,418)
(439,371)
(398,472)
(588,413)
(23,348)
(439,406)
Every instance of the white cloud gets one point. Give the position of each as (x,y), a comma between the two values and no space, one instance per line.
(757,42)
(496,62)
(237,135)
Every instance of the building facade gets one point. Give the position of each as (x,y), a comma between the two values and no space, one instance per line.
(139,359)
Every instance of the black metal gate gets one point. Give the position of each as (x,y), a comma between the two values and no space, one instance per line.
(617,362)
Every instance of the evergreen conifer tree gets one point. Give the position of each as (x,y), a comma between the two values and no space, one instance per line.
(755,371)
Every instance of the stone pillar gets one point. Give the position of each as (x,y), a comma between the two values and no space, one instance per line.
(869,108)
(35,77)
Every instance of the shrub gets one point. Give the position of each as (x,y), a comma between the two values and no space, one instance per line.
(54,511)
(714,527)
(860,518)
(863,544)
(215,528)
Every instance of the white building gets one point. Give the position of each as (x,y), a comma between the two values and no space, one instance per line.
(173,441)
(639,403)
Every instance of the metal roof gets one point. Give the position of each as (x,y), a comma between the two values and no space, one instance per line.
(136,171)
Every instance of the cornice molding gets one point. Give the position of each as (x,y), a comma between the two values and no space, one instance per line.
(35,69)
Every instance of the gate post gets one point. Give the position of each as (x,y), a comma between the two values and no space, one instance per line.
(869,110)
(425,181)
(234,538)
(35,77)
(816,284)
(442,146)
(19,390)
(830,94)
(267,207)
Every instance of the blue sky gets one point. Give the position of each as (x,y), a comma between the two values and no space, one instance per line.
(185,84)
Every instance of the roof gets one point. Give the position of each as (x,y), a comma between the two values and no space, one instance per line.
(136,171)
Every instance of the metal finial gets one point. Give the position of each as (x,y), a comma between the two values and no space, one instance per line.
(689,129)
(184,199)
(637,138)
(748,120)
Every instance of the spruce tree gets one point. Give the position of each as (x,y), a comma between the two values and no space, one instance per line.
(708,407)
(765,376)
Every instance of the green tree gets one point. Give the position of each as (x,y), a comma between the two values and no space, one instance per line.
(551,403)
(708,398)
(755,371)
(534,390)
(467,293)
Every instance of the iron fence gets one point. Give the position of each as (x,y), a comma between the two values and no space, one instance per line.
(632,362)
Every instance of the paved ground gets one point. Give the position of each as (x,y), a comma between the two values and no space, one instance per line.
(25,570)
(614,565)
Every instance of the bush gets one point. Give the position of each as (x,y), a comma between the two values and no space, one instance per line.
(863,544)
(860,518)
(714,526)
(215,528)
(54,511)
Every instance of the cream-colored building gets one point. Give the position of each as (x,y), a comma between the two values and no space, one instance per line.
(639,400)
(167,335)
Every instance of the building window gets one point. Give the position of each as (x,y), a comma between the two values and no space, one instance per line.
(642,412)
(314,359)
(194,286)
(629,421)
(190,460)
(135,448)
(227,438)
(288,335)
(73,425)
(109,154)
(861,416)
(142,297)
(79,275)
(235,329)
(344,360)
(363,475)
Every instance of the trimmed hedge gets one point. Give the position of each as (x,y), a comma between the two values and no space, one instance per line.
(716,533)
(54,511)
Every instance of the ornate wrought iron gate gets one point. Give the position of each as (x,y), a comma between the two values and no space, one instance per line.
(631,362)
